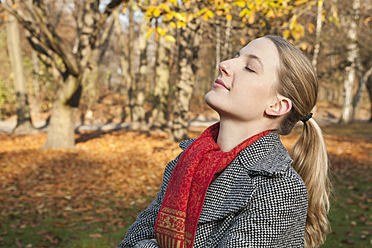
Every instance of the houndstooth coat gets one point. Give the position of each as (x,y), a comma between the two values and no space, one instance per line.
(258,201)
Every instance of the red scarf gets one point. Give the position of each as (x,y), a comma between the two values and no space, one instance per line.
(198,166)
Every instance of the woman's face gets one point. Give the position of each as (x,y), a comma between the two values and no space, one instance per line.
(245,86)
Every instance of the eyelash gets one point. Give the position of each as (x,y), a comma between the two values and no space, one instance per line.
(249,69)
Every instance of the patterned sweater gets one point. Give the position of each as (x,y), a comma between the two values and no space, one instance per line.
(259,200)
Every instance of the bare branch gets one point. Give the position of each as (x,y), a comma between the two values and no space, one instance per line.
(103,42)
(56,43)
(46,55)
(58,17)
(114,4)
(39,29)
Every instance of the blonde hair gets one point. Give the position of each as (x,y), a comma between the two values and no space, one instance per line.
(297,80)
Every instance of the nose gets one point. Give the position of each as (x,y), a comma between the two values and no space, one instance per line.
(224,69)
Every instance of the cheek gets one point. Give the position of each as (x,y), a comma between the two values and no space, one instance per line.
(258,96)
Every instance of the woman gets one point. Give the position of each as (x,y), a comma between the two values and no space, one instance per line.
(236,185)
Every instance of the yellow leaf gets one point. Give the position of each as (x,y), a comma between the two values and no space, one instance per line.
(310,28)
(244,12)
(156,12)
(293,23)
(169,16)
(149,33)
(202,11)
(179,16)
(271,14)
(240,4)
(299,2)
(173,24)
(229,18)
(164,7)
(170,38)
(160,31)
(209,14)
(286,34)
(181,24)
(251,18)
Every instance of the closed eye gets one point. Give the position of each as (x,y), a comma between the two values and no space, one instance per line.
(249,69)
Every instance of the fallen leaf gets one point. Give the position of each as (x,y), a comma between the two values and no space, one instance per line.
(95,236)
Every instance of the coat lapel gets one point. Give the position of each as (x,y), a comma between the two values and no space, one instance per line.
(232,190)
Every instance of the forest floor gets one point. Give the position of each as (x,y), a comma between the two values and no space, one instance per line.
(88,196)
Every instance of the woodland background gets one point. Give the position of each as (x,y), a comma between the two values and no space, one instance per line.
(143,67)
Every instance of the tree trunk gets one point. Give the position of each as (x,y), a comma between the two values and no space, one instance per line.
(161,90)
(362,78)
(226,54)
(35,82)
(62,123)
(130,73)
(72,63)
(138,122)
(317,33)
(218,46)
(62,126)
(349,76)
(188,50)
(24,124)
(123,56)
(369,89)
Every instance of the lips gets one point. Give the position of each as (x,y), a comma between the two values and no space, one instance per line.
(220,84)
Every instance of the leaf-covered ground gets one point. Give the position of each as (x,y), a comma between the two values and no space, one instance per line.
(88,196)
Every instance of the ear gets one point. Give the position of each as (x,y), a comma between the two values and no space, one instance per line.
(281,107)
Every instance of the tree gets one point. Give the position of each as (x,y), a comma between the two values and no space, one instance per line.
(72,61)
(363,62)
(138,110)
(369,88)
(351,60)
(190,38)
(319,15)
(190,16)
(161,90)
(24,124)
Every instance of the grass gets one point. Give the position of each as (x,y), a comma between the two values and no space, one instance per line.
(350,218)
(55,232)
(351,212)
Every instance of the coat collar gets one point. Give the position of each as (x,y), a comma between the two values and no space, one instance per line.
(266,157)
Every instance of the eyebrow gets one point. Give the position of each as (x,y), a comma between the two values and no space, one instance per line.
(252,56)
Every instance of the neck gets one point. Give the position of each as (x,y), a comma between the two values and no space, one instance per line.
(233,132)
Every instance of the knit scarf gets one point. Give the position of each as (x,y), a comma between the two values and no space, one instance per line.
(197,167)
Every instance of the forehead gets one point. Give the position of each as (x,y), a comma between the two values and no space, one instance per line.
(265,49)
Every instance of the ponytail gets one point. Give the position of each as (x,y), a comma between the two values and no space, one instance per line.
(310,161)
(297,80)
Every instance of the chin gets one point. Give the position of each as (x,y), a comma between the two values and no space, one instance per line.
(209,99)
(213,102)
